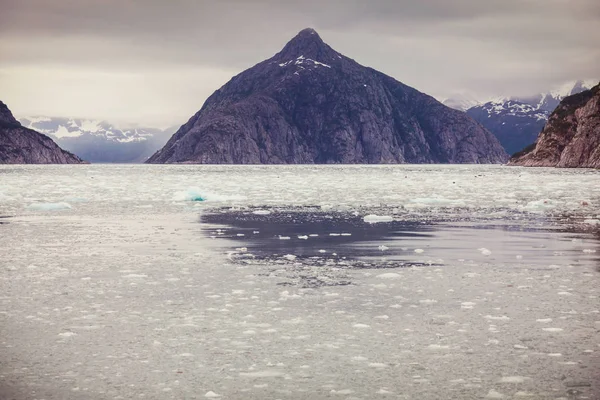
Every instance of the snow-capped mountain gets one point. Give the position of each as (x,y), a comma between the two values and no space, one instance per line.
(517,121)
(549,101)
(100,141)
(461,101)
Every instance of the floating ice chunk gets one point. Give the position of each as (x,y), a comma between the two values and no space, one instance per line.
(361,326)
(284,237)
(49,206)
(544,320)
(135,276)
(262,374)
(501,318)
(211,395)
(334,234)
(553,329)
(485,251)
(428,301)
(195,194)
(524,394)
(389,275)
(290,257)
(67,334)
(262,212)
(191,194)
(240,234)
(346,234)
(374,219)
(554,355)
(313,235)
(437,347)
(492,394)
(419,251)
(382,317)
(591,221)
(377,365)
(302,237)
(343,391)
(513,379)
(589,251)
(539,205)
(520,347)
(467,305)
(322,251)
(383,391)
(383,248)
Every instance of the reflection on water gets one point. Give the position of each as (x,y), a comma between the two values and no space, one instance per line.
(325,236)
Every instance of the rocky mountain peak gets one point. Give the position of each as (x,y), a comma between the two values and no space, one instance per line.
(308,44)
(311,105)
(6,116)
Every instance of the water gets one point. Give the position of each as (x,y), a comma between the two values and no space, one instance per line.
(112,285)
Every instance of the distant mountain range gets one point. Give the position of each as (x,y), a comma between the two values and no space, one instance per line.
(517,121)
(309,104)
(100,141)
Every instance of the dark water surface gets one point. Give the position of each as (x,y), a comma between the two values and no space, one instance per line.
(326,236)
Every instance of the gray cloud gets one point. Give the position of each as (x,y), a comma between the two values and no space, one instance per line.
(489,47)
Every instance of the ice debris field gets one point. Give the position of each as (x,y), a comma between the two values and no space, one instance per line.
(299,282)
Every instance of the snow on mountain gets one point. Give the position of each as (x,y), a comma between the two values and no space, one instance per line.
(69,127)
(461,101)
(100,141)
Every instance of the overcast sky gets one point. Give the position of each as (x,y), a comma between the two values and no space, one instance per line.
(154,62)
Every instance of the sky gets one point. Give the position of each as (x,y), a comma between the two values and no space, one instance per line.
(154,62)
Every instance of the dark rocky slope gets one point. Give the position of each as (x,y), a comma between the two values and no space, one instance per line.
(571,138)
(19,145)
(310,104)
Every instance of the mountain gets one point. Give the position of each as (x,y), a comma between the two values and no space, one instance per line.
(517,121)
(548,101)
(20,145)
(571,138)
(101,141)
(514,123)
(461,101)
(310,104)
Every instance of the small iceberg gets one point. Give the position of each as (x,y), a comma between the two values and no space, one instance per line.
(374,219)
(49,206)
(192,194)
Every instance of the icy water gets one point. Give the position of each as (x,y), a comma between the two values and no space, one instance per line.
(117,282)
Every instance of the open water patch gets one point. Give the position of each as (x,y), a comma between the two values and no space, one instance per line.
(314,244)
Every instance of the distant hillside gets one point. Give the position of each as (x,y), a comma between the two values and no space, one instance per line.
(101,141)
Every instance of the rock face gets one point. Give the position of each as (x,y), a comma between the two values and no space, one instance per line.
(310,104)
(571,138)
(19,145)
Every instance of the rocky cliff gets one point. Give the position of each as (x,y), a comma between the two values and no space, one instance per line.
(571,138)
(19,145)
(311,104)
